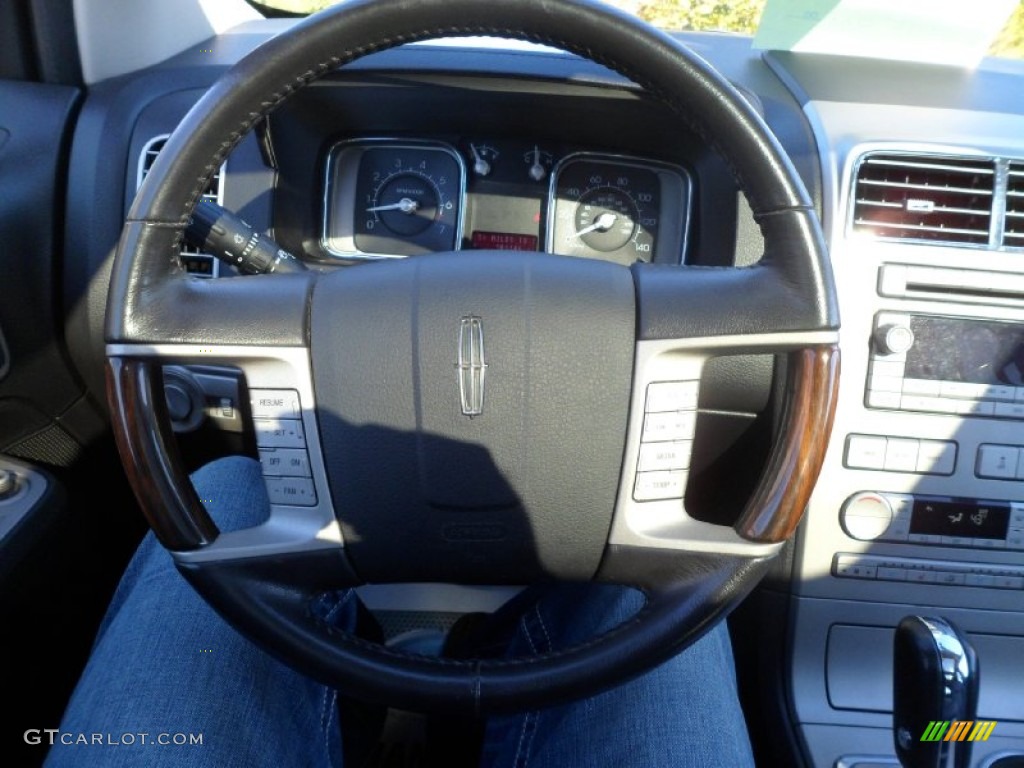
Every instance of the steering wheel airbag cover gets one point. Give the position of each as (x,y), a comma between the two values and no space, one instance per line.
(482,496)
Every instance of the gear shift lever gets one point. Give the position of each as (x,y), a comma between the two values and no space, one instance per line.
(935,679)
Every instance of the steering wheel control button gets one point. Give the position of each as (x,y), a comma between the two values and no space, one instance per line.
(664,456)
(285,462)
(275,404)
(666,441)
(279,433)
(663,427)
(866,516)
(672,396)
(291,491)
(657,486)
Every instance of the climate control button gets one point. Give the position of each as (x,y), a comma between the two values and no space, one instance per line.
(866,516)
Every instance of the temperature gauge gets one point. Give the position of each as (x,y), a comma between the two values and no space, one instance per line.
(538,163)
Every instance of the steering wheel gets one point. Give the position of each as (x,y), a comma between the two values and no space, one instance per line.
(475,417)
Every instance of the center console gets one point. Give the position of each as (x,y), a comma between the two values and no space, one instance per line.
(920,505)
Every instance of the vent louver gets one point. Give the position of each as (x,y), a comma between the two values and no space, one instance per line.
(1013,232)
(920,197)
(196,262)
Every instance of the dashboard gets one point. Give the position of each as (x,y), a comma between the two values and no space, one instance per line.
(918,172)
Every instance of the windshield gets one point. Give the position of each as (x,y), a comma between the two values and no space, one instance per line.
(738,16)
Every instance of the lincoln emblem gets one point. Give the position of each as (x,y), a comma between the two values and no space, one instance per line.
(472,365)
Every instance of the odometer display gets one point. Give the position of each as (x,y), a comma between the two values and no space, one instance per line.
(503,241)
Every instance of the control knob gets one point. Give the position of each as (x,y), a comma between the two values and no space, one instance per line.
(893,338)
(866,516)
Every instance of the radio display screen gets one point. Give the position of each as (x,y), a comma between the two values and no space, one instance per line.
(970,520)
(975,351)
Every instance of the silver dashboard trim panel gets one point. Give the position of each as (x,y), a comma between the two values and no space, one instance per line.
(289,529)
(665,524)
(844,131)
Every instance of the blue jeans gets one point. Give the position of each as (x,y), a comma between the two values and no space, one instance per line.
(167,672)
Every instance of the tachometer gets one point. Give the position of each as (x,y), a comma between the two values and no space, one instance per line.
(387,199)
(617,209)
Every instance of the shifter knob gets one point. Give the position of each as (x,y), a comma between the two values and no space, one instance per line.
(935,679)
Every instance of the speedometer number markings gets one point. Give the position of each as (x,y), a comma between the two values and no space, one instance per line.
(605,208)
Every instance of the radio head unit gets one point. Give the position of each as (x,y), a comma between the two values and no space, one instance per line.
(952,365)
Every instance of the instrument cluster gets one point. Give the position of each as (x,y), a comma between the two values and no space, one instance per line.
(392,198)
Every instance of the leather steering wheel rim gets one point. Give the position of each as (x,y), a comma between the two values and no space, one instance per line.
(784,305)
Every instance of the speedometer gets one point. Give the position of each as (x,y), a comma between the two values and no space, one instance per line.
(617,209)
(607,218)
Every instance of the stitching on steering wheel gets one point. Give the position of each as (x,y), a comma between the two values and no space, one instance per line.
(355,640)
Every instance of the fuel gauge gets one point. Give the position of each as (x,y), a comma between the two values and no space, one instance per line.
(483,158)
(538,163)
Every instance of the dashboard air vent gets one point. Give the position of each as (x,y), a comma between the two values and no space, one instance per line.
(196,262)
(1013,232)
(931,198)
